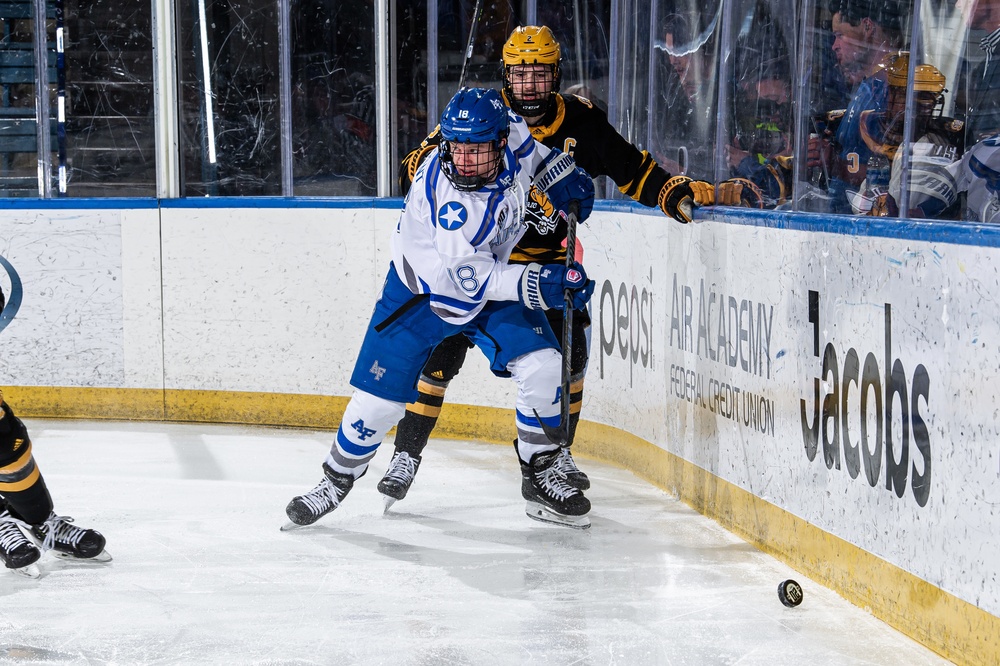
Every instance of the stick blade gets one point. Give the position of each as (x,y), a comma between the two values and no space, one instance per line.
(558,436)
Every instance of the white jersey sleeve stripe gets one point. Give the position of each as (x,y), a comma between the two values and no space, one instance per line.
(430,185)
(525,149)
(489,220)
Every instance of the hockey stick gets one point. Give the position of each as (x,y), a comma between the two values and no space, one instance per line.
(560,435)
(477,14)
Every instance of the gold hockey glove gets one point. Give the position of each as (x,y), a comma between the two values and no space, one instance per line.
(739,192)
(681,194)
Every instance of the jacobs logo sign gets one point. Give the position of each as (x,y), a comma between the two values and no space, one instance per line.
(890,412)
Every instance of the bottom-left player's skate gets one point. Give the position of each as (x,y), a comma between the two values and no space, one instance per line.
(68,541)
(28,525)
(17,552)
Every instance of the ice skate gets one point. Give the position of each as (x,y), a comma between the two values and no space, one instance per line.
(574,476)
(18,553)
(399,477)
(68,541)
(308,508)
(551,499)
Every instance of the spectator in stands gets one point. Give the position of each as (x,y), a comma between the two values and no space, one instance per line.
(687,112)
(978,93)
(866,34)
(761,151)
(938,145)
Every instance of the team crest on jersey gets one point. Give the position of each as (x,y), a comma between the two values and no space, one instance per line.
(452,216)
(535,216)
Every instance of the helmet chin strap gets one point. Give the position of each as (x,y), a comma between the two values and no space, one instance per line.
(536,107)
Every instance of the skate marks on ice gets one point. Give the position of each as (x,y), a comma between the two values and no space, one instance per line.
(454,573)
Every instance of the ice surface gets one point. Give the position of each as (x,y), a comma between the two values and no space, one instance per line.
(453,574)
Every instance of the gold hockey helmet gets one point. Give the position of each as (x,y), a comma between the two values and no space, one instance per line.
(928,85)
(531,45)
(926,78)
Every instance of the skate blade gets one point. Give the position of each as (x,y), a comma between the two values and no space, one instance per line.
(31,571)
(545,515)
(291,527)
(103,556)
(389,501)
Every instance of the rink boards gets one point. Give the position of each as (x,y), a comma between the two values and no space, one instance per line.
(828,393)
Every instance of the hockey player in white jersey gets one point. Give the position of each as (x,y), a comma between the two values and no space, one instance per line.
(450,274)
(979,178)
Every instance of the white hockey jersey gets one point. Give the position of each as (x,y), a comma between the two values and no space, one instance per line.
(455,245)
(980,177)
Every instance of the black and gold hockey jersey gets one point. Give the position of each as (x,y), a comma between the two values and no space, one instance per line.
(576,126)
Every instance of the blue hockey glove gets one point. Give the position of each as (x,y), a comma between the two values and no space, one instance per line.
(576,185)
(562,181)
(541,287)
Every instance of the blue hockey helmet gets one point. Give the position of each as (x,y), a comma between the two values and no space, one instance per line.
(474,116)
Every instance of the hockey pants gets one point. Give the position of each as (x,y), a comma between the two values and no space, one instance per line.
(444,364)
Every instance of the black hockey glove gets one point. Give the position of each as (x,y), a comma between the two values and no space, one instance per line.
(681,194)
(541,287)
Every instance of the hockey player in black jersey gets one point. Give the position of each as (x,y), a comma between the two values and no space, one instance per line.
(938,146)
(575,125)
(28,525)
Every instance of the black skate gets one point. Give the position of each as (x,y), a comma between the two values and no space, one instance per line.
(574,476)
(551,499)
(17,551)
(69,541)
(308,508)
(399,477)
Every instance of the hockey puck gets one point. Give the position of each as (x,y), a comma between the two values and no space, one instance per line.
(790,593)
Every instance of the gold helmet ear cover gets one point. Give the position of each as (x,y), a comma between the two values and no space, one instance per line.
(531,45)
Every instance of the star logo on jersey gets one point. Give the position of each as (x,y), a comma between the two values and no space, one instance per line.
(452,216)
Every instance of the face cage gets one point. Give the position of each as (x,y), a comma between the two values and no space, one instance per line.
(935,112)
(471,183)
(535,107)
